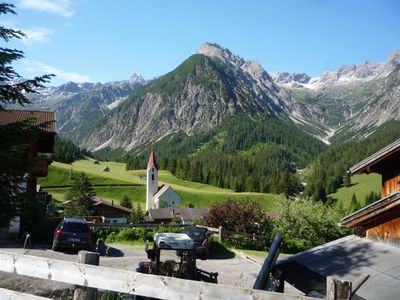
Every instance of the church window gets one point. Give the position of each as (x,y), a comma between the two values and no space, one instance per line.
(152,169)
(152,177)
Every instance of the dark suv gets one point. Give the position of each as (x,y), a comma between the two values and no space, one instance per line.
(200,237)
(72,233)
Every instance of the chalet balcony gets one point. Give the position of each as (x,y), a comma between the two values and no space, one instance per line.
(40,167)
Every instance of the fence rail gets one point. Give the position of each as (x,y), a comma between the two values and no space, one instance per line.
(13,295)
(128,282)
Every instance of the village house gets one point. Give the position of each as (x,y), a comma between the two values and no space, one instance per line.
(372,252)
(111,212)
(42,144)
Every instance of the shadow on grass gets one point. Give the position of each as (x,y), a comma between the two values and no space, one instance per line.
(219,251)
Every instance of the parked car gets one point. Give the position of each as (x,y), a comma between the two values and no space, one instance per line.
(200,236)
(72,233)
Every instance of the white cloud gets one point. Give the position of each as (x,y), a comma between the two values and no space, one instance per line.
(39,35)
(59,7)
(38,67)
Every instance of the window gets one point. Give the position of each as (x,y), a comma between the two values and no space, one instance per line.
(152,177)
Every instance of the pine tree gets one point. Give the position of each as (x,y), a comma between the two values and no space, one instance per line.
(14,137)
(126,202)
(347,179)
(138,214)
(80,196)
(354,204)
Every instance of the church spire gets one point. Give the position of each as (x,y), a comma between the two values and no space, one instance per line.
(152,160)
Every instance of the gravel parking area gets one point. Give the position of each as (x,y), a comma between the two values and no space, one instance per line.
(236,271)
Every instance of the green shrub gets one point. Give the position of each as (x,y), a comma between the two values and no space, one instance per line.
(123,234)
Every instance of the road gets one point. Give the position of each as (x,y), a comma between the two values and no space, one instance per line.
(236,270)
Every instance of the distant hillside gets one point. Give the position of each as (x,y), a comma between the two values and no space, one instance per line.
(328,170)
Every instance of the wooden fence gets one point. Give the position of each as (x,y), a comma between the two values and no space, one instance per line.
(123,281)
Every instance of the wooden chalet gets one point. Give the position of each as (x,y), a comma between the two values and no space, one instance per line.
(381,219)
(372,253)
(43,143)
(113,213)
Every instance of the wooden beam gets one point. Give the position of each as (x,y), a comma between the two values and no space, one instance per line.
(13,295)
(87,293)
(337,289)
(128,282)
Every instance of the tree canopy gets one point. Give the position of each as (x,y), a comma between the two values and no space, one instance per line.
(80,196)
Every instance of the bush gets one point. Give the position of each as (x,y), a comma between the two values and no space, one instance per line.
(306,224)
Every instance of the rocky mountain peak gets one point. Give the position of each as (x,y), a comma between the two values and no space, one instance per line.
(290,78)
(137,78)
(394,58)
(214,50)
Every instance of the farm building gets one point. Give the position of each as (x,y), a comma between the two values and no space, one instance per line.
(372,252)
(113,213)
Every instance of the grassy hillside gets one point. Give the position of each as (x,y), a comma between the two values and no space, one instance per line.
(201,195)
(361,186)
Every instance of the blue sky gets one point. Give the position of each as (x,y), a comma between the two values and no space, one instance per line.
(87,40)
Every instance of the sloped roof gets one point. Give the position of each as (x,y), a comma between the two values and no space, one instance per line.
(161,191)
(41,117)
(378,156)
(373,211)
(98,201)
(346,259)
(152,160)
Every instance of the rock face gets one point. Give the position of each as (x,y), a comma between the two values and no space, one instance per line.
(80,105)
(214,84)
(197,95)
(351,98)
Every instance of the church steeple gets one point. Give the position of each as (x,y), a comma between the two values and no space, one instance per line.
(152,180)
(152,160)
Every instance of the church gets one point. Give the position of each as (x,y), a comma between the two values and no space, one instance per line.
(158,197)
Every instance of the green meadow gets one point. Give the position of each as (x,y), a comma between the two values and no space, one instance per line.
(201,195)
(361,186)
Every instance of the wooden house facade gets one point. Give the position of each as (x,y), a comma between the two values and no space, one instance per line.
(41,143)
(381,219)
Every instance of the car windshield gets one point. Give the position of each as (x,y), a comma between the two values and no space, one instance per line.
(75,227)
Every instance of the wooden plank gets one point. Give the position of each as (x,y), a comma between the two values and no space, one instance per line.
(338,289)
(358,283)
(129,282)
(13,295)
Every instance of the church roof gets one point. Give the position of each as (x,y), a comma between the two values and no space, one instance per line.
(161,191)
(152,160)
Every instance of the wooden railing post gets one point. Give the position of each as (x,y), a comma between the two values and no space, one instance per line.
(81,292)
(220,234)
(337,289)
